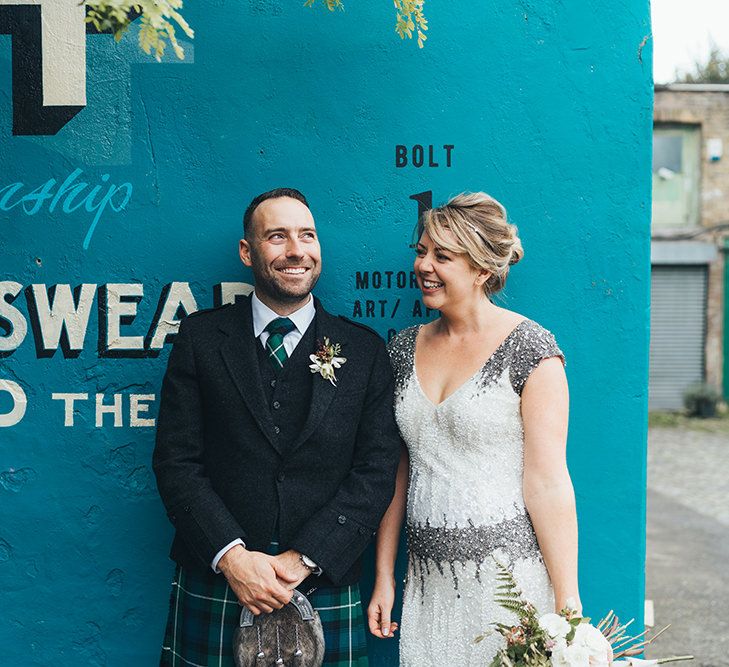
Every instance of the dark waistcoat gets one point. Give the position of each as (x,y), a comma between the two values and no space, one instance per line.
(288,392)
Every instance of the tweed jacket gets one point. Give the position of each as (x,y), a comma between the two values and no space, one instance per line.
(222,473)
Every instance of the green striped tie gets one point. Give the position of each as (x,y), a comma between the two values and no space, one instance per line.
(277,329)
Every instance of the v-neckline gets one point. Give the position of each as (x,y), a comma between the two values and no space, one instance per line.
(467,380)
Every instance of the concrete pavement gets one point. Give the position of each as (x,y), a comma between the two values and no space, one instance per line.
(687,565)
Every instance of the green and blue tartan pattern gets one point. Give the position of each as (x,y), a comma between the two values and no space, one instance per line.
(277,329)
(204,614)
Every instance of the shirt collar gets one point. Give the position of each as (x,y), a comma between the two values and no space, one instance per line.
(263,315)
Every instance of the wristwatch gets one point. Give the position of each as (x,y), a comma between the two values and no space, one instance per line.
(309,564)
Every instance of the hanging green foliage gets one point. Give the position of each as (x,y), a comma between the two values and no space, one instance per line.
(159,19)
(409,17)
(157,22)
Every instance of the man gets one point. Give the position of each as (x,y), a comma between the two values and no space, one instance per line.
(271,470)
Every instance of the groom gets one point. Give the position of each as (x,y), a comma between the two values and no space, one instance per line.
(271,472)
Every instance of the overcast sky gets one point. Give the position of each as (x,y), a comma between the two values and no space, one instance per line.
(682,30)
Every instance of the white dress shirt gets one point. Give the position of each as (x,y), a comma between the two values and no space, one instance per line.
(262,317)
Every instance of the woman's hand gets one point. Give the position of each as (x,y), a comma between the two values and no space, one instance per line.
(380,608)
(572,602)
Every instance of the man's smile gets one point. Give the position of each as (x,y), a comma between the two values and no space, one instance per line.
(293,270)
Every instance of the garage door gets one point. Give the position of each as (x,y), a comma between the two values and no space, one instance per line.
(678,329)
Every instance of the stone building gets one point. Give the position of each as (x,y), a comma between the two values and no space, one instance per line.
(690,228)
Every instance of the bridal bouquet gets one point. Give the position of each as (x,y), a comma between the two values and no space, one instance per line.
(565,639)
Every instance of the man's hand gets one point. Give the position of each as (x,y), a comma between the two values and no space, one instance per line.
(257,579)
(290,569)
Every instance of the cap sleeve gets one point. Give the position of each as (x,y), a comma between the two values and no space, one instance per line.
(402,351)
(535,344)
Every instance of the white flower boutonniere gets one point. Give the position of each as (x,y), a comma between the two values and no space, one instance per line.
(326,359)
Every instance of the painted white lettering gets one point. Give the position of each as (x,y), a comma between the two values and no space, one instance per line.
(63,39)
(121,308)
(20,403)
(69,407)
(115,409)
(11,319)
(228,291)
(63,315)
(139,404)
(178,296)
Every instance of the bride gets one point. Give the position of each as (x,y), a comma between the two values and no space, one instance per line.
(482,404)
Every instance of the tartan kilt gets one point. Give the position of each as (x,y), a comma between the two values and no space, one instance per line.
(204,614)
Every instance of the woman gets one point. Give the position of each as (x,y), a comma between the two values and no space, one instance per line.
(482,403)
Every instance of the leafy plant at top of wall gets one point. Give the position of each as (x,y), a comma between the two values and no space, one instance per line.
(157,22)
(409,17)
(158,19)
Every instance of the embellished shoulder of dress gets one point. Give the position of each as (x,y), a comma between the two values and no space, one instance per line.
(401,349)
(531,343)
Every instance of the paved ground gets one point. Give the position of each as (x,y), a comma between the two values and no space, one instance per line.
(687,567)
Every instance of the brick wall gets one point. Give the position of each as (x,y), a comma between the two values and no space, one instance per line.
(710,110)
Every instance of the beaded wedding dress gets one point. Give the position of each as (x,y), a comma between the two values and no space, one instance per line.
(465,508)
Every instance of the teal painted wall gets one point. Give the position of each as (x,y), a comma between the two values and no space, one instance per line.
(548,107)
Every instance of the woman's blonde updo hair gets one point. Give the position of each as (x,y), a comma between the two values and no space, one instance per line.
(478,229)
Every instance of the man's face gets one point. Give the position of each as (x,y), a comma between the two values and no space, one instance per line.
(283,250)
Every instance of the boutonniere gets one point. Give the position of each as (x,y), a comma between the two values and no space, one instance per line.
(326,359)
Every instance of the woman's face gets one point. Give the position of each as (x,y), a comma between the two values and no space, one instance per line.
(446,279)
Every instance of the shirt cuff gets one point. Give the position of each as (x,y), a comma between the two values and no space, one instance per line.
(222,553)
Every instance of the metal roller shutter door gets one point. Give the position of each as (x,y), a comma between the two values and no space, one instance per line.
(678,330)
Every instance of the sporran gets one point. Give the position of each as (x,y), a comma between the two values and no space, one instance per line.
(290,637)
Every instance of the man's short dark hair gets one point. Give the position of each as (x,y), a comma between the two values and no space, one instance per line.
(271,194)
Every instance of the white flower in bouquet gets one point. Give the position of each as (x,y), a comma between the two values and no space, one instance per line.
(597,645)
(556,626)
(574,655)
(566,639)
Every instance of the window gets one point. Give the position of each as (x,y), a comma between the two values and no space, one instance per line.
(667,150)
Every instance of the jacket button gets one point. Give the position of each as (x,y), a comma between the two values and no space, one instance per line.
(342,519)
(187,509)
(277,430)
(281,477)
(273,383)
(276,405)
(173,517)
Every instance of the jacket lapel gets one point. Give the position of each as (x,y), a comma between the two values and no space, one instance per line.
(241,359)
(322,391)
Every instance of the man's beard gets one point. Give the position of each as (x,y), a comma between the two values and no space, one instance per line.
(267,280)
